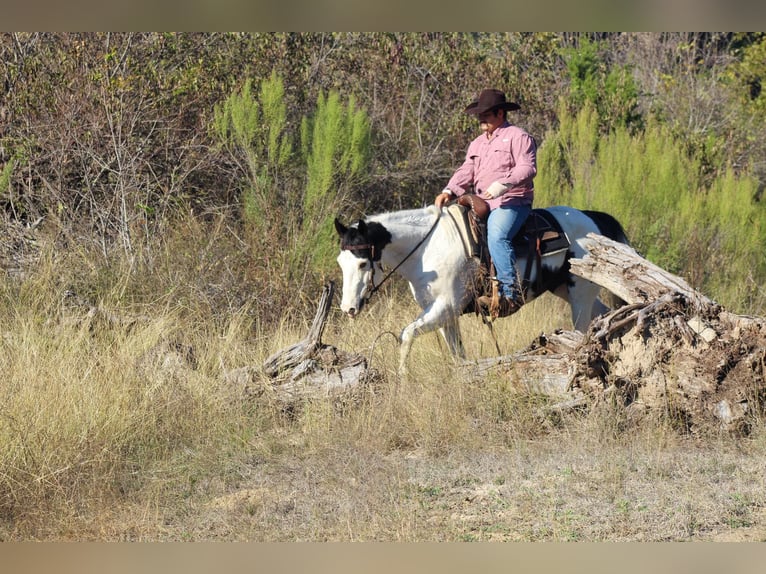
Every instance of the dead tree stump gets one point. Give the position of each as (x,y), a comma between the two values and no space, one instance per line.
(669,350)
(309,368)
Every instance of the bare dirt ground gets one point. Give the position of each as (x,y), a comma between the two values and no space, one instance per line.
(560,488)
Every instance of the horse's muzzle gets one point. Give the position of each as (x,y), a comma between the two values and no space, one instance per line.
(354,311)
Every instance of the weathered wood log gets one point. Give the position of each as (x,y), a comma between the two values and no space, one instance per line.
(544,367)
(670,350)
(549,374)
(620,269)
(309,368)
(331,373)
(296,353)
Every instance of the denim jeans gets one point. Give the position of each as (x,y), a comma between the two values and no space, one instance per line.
(503,223)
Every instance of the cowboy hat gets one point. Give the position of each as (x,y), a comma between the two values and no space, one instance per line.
(490,100)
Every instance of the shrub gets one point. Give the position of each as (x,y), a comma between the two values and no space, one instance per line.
(336,145)
(710,233)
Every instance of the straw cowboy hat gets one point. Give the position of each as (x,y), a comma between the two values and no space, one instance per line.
(490,100)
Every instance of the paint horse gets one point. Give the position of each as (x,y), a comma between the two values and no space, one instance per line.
(426,247)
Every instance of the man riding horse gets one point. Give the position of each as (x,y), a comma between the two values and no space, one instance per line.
(499,166)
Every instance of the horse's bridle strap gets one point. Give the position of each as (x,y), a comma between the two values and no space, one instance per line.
(369,246)
(357,247)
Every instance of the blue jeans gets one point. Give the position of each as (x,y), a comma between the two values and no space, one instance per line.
(503,223)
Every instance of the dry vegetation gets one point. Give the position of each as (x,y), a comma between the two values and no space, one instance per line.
(118,423)
(140,267)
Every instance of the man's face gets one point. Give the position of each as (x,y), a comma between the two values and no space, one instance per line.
(489,121)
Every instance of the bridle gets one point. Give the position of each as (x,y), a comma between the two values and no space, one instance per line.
(371,287)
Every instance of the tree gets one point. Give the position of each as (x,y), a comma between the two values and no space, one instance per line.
(336,148)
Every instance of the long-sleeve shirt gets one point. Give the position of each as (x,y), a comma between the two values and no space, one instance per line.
(509,156)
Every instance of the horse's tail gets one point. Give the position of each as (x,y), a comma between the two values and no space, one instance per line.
(608,226)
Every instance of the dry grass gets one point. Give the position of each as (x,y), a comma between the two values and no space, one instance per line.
(117,424)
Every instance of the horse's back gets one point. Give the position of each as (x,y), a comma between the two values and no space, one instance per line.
(578,223)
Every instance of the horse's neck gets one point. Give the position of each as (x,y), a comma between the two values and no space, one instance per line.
(407,229)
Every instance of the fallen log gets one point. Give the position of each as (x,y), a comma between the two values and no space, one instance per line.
(620,269)
(670,351)
(549,374)
(544,367)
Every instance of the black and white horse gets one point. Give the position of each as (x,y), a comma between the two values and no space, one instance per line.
(425,247)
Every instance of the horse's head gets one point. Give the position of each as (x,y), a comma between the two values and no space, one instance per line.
(360,247)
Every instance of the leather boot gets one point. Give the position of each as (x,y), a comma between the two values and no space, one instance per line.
(505,306)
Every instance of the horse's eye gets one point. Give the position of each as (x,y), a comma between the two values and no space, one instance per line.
(362,265)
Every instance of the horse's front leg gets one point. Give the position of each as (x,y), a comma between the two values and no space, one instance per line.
(451,333)
(437,315)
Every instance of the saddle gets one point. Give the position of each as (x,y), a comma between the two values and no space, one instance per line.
(539,236)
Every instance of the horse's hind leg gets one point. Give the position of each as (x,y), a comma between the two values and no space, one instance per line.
(584,302)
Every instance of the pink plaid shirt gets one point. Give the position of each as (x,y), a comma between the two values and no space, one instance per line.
(509,156)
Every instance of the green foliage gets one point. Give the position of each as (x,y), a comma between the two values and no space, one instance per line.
(253,129)
(5,176)
(236,121)
(749,75)
(611,89)
(336,144)
(583,65)
(711,234)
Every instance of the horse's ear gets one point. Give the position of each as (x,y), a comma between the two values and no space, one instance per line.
(340,228)
(362,227)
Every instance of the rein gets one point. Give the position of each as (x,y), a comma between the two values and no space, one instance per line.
(372,287)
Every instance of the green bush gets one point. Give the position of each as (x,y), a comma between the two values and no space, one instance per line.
(253,130)
(336,145)
(610,88)
(711,234)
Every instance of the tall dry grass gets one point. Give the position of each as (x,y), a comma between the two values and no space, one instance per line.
(110,386)
(90,414)
(117,423)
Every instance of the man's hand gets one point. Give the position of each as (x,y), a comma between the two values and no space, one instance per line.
(495,190)
(442,198)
